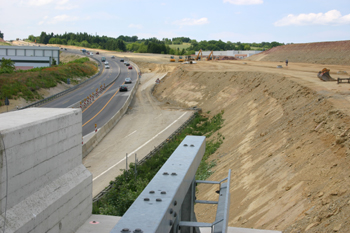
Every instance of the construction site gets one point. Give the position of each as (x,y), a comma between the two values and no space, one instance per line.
(285,134)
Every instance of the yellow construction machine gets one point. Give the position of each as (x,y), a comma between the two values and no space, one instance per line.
(172,59)
(181,59)
(199,55)
(211,56)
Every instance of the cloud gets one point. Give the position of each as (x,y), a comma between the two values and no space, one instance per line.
(138,26)
(38,2)
(332,17)
(65,5)
(191,22)
(62,18)
(244,2)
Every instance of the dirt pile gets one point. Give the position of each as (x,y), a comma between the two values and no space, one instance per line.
(287,146)
(336,52)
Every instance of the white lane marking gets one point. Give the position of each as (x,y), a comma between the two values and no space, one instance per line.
(131,153)
(158,116)
(130,134)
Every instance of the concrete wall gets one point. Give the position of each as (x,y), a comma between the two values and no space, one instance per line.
(43,185)
(31,51)
(230,53)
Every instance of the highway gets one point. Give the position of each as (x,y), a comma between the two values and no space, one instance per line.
(108,103)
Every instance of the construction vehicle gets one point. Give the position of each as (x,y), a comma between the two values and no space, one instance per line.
(211,56)
(199,55)
(180,59)
(324,75)
(172,59)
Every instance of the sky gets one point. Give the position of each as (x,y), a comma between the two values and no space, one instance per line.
(294,21)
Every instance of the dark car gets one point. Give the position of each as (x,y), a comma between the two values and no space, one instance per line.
(127,64)
(128,80)
(123,88)
(121,60)
(130,67)
(65,49)
(112,57)
(97,52)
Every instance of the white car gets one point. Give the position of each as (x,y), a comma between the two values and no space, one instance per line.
(91,53)
(106,66)
(106,63)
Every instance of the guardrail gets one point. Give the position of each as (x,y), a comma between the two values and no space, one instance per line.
(50,98)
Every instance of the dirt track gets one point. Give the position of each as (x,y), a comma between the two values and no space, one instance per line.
(286,141)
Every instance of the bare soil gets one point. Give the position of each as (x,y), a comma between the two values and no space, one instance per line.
(286,139)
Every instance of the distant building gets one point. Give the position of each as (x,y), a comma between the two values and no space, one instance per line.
(27,57)
(232,53)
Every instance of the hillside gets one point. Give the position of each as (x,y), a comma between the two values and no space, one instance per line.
(286,140)
(321,53)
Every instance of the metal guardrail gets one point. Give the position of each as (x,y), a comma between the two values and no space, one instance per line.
(149,155)
(50,98)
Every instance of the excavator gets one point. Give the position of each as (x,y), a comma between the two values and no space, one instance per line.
(172,59)
(199,55)
(211,56)
(324,75)
(180,59)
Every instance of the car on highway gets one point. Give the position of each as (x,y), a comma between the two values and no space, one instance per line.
(97,52)
(106,66)
(112,57)
(127,64)
(123,88)
(130,67)
(91,53)
(128,80)
(106,63)
(121,60)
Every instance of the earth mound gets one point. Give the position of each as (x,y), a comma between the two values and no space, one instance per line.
(336,52)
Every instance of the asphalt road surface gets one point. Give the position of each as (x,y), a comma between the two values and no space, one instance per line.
(108,103)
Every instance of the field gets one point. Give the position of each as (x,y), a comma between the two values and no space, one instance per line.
(180,46)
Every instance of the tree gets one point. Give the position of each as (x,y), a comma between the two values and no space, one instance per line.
(7,66)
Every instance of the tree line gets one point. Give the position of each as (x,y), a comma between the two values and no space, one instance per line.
(150,45)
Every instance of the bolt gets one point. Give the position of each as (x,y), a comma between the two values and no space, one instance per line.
(173,174)
(191,145)
(185,144)
(162,192)
(175,214)
(171,211)
(146,199)
(151,191)
(125,230)
(158,199)
(171,222)
(165,173)
(138,230)
(175,202)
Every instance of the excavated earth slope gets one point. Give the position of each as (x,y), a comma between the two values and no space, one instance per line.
(320,53)
(286,141)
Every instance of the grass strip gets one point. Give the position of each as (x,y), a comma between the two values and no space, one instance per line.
(126,188)
(26,83)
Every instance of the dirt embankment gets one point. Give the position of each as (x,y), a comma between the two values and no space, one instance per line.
(321,53)
(287,146)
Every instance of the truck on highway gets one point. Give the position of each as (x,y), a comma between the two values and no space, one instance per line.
(103,59)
